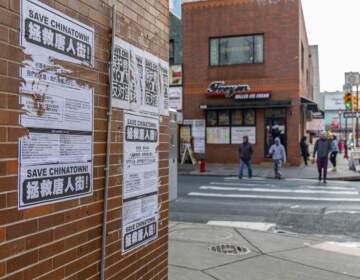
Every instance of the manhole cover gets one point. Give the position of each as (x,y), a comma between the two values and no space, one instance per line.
(229,249)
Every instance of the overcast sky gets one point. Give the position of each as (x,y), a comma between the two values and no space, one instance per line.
(334,25)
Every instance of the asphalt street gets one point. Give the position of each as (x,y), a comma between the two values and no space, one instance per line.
(289,205)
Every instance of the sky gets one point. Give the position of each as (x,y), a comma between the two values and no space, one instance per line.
(334,25)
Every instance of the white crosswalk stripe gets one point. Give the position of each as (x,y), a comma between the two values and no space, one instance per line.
(269,190)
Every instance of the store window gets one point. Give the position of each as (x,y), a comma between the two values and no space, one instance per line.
(275,126)
(237,50)
(171,51)
(229,126)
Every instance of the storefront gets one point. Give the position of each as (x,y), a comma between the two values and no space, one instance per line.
(243,76)
(234,111)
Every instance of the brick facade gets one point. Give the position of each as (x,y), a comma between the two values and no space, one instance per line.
(63,240)
(283,28)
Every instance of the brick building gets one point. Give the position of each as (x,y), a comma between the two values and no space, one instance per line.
(247,70)
(57,166)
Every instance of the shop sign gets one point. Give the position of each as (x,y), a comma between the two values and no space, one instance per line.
(253,95)
(350,114)
(175,73)
(236,91)
(219,88)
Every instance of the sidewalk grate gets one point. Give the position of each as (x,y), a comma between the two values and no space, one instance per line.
(229,249)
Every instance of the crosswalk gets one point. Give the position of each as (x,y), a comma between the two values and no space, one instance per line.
(278,190)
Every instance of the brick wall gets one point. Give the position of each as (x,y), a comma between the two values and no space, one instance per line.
(63,240)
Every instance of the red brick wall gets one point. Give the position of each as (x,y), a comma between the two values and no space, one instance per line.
(63,240)
(283,29)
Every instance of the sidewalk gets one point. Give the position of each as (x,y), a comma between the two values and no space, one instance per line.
(206,252)
(300,172)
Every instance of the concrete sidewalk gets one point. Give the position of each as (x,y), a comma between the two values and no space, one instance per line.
(206,252)
(302,172)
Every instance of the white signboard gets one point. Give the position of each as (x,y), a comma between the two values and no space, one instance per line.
(199,145)
(140,80)
(197,128)
(198,134)
(140,180)
(334,101)
(237,134)
(55,158)
(175,98)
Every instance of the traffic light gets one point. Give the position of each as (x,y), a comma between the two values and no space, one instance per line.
(355,102)
(348,100)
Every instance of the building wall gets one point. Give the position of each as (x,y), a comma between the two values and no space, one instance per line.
(63,240)
(282,24)
(176,35)
(315,61)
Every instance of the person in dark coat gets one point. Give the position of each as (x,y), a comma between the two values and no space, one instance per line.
(245,153)
(322,149)
(304,149)
(334,150)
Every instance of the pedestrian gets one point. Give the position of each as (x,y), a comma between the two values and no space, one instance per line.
(304,149)
(277,150)
(334,150)
(340,145)
(245,153)
(322,148)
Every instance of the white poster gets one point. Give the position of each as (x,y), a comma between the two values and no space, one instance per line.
(175,98)
(140,179)
(199,145)
(238,132)
(198,134)
(55,158)
(140,80)
(197,128)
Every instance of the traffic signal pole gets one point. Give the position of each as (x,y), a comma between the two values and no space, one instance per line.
(357,117)
(345,142)
(348,108)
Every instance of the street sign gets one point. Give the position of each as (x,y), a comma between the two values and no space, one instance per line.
(352,78)
(350,114)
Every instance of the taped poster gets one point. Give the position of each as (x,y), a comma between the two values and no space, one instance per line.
(140,180)
(55,158)
(140,80)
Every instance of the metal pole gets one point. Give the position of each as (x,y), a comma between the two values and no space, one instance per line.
(357,118)
(108,143)
(345,142)
(340,126)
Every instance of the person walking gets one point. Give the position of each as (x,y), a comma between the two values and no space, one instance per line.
(304,149)
(245,153)
(334,150)
(277,150)
(340,145)
(322,148)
